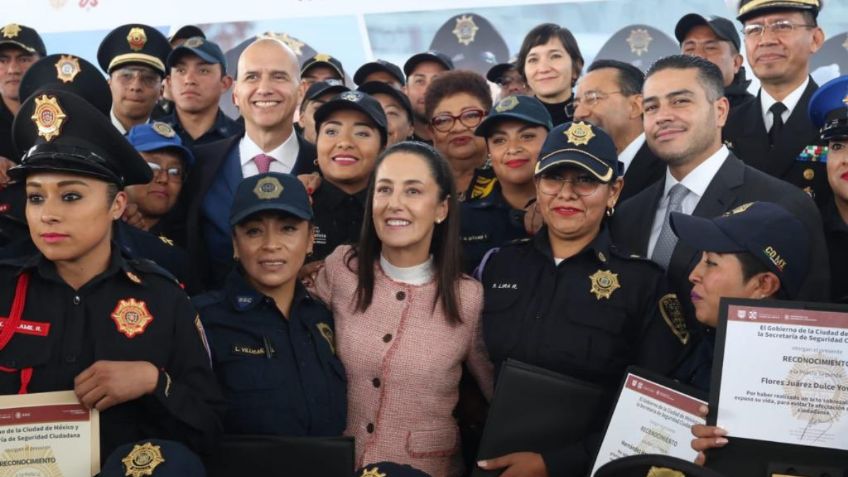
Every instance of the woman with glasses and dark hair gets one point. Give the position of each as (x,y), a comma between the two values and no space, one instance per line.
(406,317)
(550,61)
(575,304)
(456,103)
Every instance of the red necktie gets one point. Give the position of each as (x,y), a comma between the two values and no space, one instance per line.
(263,162)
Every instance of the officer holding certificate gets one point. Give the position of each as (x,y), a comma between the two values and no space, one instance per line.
(79,315)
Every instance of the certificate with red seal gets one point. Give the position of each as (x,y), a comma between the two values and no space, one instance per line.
(47,435)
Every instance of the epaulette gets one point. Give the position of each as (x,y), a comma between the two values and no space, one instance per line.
(483,187)
(144,265)
(207,299)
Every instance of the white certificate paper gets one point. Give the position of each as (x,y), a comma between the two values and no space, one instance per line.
(784,376)
(48,435)
(650,418)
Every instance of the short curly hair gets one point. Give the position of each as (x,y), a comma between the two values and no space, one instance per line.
(457,82)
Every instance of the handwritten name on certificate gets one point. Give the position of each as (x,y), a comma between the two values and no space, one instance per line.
(650,418)
(784,376)
(48,435)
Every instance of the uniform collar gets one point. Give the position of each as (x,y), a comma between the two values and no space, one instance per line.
(47,269)
(599,248)
(333,197)
(244,297)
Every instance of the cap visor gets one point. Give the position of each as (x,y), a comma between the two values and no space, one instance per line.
(577,158)
(485,128)
(182,50)
(269,206)
(687,23)
(702,234)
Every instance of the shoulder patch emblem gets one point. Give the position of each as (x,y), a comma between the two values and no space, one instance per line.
(328,335)
(131,317)
(672,313)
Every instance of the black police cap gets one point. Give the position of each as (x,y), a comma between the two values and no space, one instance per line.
(722,27)
(471,41)
(828,109)
(272,191)
(62,132)
(134,43)
(751,8)
(389,469)
(378,87)
(186,32)
(357,101)
(430,55)
(156,458)
(375,66)
(582,145)
(199,46)
(526,109)
(496,72)
(768,232)
(22,37)
(68,73)
(320,88)
(644,465)
(323,59)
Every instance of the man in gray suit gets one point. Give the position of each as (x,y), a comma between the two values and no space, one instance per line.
(685,110)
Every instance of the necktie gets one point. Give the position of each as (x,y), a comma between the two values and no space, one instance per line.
(776,111)
(263,162)
(667,240)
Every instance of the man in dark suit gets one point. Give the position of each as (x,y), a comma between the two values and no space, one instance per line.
(265,93)
(684,113)
(609,96)
(773,132)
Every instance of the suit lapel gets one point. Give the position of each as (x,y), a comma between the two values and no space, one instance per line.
(214,163)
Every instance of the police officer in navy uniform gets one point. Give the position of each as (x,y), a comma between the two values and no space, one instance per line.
(21,46)
(773,133)
(568,300)
(272,343)
(488,218)
(829,113)
(118,332)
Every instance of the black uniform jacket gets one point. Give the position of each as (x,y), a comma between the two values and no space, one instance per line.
(134,311)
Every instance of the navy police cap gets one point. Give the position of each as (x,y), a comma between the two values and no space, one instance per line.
(828,109)
(526,109)
(357,101)
(270,191)
(582,145)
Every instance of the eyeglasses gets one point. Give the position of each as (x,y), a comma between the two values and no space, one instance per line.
(591,98)
(126,76)
(582,185)
(175,173)
(778,28)
(470,118)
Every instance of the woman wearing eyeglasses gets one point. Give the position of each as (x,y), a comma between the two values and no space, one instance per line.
(456,103)
(568,300)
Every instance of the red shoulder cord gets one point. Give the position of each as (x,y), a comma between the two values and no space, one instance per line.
(11,326)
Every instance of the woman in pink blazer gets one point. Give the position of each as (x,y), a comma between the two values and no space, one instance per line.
(406,317)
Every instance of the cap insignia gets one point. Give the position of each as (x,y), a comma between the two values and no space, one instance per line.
(664,472)
(604,283)
(506,104)
(131,317)
(579,133)
(48,117)
(164,129)
(137,38)
(67,68)
(739,209)
(193,42)
(374,472)
(639,40)
(465,30)
(11,30)
(322,57)
(268,188)
(351,96)
(142,460)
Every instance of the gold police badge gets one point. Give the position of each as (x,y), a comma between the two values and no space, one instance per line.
(268,188)
(137,38)
(664,472)
(373,472)
(132,317)
(579,133)
(639,40)
(506,104)
(465,30)
(323,57)
(164,129)
(327,333)
(48,117)
(143,460)
(604,283)
(11,30)
(67,68)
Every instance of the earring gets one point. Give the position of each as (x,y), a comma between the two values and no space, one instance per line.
(439,221)
(610,211)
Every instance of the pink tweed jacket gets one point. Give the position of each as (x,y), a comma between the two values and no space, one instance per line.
(403,362)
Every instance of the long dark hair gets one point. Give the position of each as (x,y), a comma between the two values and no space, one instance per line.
(445,244)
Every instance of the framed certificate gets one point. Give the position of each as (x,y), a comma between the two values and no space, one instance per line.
(48,434)
(653,415)
(780,384)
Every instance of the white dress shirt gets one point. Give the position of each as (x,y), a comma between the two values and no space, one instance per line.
(285,155)
(626,156)
(790,101)
(696,183)
(120,127)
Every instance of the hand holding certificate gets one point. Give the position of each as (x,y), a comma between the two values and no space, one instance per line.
(48,434)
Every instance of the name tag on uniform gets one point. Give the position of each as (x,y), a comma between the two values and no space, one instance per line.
(474,238)
(29,327)
(245,350)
